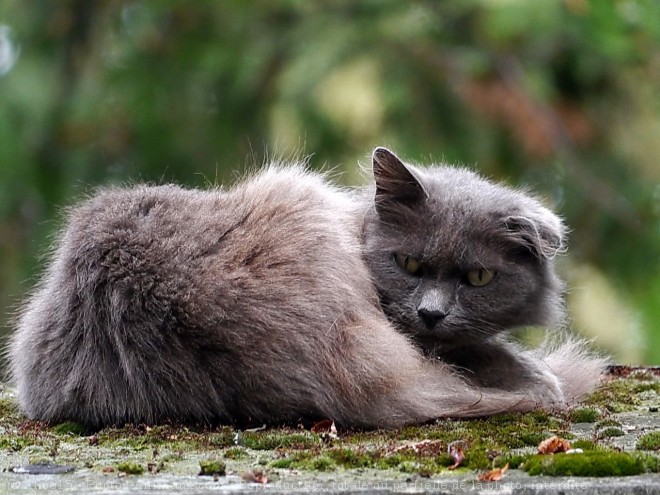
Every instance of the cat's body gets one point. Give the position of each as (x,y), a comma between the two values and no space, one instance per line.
(264,304)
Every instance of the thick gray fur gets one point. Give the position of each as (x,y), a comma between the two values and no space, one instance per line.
(279,300)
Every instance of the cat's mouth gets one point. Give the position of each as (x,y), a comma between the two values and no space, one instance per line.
(450,330)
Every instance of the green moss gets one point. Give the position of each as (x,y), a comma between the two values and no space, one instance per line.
(15,443)
(642,375)
(280,438)
(589,463)
(236,453)
(286,463)
(130,468)
(350,458)
(646,387)
(584,445)
(608,423)
(444,460)
(70,428)
(8,410)
(212,467)
(516,430)
(222,438)
(405,460)
(619,395)
(649,441)
(584,415)
(409,467)
(485,442)
(530,439)
(391,461)
(652,462)
(477,458)
(322,463)
(611,432)
(513,460)
(482,440)
(174,437)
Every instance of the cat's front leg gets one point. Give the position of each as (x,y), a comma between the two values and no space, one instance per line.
(504,365)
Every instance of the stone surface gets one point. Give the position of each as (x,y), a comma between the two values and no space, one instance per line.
(171,458)
(89,481)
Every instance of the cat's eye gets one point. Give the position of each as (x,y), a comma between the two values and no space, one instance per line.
(408,263)
(480,277)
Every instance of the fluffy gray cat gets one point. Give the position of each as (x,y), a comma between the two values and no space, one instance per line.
(287,299)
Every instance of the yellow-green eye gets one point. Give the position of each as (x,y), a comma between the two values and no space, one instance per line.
(480,277)
(408,263)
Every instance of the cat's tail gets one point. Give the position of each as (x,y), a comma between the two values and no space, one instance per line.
(579,369)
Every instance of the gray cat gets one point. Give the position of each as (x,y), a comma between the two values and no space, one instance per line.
(287,299)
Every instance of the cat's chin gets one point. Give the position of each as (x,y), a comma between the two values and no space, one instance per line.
(454,330)
(439,341)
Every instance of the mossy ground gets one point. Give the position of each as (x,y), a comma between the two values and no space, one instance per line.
(421,450)
(649,441)
(212,467)
(591,463)
(130,468)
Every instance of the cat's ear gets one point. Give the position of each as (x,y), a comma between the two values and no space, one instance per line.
(539,231)
(396,184)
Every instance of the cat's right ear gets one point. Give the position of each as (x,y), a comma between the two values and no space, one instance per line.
(539,231)
(396,185)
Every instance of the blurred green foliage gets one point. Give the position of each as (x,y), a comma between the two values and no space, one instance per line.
(560,95)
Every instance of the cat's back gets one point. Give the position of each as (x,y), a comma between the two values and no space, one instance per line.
(274,218)
(274,238)
(162,290)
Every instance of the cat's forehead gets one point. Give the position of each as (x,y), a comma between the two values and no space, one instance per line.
(464,191)
(464,212)
(464,202)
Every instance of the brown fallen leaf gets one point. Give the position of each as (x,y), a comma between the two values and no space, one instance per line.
(326,428)
(155,467)
(494,474)
(255,476)
(322,426)
(554,445)
(456,454)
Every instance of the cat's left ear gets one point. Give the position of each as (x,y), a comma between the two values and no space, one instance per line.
(396,184)
(539,230)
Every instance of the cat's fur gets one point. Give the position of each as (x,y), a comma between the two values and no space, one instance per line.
(262,304)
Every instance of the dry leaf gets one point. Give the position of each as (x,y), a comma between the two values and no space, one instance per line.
(255,476)
(494,474)
(456,454)
(322,426)
(554,445)
(326,428)
(154,467)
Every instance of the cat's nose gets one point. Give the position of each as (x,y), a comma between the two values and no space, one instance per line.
(431,317)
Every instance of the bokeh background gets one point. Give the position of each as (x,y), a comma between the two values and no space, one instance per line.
(559,95)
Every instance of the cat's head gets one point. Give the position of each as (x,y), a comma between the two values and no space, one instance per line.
(456,258)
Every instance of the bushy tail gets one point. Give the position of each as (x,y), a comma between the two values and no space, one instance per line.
(578,368)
